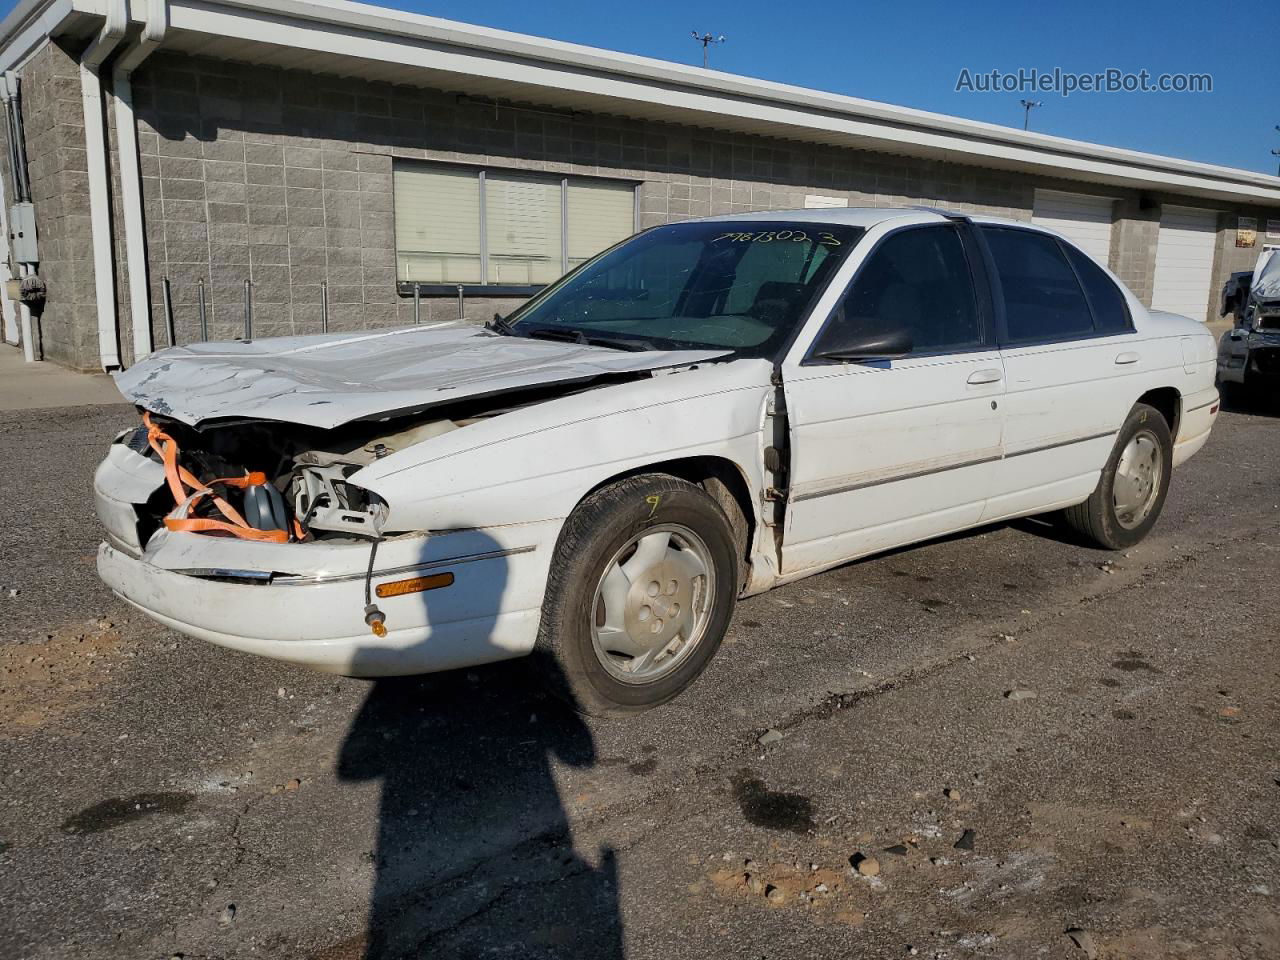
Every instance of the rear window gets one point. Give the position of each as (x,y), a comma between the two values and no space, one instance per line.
(1110,312)
(1043,299)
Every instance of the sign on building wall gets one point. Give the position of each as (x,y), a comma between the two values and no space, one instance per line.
(1246,231)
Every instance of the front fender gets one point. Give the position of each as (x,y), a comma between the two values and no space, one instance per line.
(538,462)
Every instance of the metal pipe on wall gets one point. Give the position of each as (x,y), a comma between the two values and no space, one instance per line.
(248,310)
(168,313)
(204,316)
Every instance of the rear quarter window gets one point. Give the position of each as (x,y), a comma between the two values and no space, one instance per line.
(1110,312)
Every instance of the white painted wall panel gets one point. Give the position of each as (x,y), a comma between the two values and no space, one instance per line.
(1083,219)
(1184,261)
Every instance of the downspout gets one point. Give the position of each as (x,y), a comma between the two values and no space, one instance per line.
(11,308)
(21,192)
(95,139)
(135,237)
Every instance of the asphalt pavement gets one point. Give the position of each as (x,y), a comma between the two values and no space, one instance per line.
(1002,744)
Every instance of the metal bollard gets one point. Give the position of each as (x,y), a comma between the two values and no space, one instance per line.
(248,310)
(324,306)
(462,313)
(168,311)
(417,304)
(204,317)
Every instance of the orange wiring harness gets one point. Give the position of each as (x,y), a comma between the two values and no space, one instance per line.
(188,492)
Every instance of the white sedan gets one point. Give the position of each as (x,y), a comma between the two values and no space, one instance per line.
(703,412)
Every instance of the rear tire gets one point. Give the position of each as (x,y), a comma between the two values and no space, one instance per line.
(609,642)
(1132,489)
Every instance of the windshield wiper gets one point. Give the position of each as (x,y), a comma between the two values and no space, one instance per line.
(634,344)
(500,325)
(596,340)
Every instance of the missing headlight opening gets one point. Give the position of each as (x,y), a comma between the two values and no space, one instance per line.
(251,481)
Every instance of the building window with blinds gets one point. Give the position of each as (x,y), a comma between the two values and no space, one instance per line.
(467,226)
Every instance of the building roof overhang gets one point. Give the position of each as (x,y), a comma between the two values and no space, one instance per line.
(374,43)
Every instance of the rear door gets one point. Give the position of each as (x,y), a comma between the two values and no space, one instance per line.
(1069,349)
(890,452)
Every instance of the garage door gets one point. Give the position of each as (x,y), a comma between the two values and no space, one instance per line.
(1184,261)
(1083,219)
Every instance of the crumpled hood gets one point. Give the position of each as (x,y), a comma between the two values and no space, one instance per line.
(331,379)
(1266,279)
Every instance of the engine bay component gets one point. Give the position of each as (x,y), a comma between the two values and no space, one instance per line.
(264,508)
(324,500)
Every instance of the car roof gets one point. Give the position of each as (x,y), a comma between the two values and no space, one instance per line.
(849,216)
(867,217)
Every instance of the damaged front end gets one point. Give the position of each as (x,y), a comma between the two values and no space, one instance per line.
(267,481)
(242,510)
(253,535)
(256,481)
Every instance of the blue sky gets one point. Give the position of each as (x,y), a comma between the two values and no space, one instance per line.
(912,53)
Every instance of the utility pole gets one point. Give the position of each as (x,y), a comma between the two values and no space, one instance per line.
(1026,111)
(706,39)
(1276,153)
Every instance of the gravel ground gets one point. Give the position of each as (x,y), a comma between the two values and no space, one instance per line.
(1012,735)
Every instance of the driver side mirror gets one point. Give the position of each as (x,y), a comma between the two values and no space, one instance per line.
(843,343)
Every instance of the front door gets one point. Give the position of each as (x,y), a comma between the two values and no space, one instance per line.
(888,452)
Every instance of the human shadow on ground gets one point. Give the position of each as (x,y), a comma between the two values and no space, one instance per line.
(474,853)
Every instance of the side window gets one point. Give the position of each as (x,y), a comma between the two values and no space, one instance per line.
(917,280)
(1042,297)
(1110,313)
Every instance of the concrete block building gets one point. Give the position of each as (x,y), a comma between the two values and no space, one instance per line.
(221,168)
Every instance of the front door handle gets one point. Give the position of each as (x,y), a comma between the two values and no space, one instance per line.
(985,376)
(1127,357)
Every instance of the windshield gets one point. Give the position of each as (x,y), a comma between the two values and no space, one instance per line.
(738,285)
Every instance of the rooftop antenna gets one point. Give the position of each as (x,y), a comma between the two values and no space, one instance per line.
(706,39)
(1026,111)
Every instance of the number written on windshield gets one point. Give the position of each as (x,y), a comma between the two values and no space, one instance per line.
(781,236)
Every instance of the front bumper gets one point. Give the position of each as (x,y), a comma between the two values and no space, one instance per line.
(489,612)
(304,602)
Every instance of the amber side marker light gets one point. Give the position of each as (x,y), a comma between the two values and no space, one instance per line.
(399,588)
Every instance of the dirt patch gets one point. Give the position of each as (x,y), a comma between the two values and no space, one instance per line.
(41,683)
(782,885)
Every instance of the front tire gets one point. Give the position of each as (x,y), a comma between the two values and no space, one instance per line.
(1132,489)
(640,593)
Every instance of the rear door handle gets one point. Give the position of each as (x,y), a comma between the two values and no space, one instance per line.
(985,376)
(1127,357)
